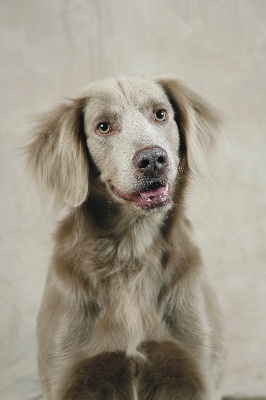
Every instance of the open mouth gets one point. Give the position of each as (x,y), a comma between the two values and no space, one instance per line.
(155,195)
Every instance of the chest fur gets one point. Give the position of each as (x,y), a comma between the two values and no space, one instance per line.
(129,313)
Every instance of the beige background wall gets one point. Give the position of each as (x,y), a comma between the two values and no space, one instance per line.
(53,48)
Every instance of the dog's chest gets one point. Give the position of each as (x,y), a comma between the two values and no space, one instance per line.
(130,313)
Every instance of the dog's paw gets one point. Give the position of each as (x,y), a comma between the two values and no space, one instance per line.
(104,376)
(170,373)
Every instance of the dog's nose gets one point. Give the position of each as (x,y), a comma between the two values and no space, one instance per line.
(151,162)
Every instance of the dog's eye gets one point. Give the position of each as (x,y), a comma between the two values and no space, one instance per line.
(160,115)
(104,128)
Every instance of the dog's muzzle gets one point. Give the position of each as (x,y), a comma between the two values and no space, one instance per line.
(153,191)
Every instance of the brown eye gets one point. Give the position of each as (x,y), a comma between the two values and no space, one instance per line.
(160,115)
(104,128)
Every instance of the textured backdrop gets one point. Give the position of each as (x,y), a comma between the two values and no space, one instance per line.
(51,49)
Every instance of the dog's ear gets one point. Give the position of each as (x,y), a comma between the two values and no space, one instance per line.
(197,121)
(57,154)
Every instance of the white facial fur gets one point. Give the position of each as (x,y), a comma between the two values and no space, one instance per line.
(128,106)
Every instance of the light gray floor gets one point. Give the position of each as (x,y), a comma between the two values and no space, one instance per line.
(51,49)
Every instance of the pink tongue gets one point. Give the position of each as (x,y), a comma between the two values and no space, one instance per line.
(160,191)
(151,198)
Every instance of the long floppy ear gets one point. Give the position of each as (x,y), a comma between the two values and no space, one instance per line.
(57,154)
(198,123)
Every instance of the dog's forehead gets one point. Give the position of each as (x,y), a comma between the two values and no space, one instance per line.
(124,92)
(141,90)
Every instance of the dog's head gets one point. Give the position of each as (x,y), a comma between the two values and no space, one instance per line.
(130,137)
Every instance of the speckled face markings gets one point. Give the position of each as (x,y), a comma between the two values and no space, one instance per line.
(133,140)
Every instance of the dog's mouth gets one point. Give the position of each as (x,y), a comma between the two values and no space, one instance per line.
(155,195)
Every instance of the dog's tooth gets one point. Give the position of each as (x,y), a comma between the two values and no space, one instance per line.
(165,190)
(143,196)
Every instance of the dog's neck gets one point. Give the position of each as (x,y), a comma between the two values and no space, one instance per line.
(129,232)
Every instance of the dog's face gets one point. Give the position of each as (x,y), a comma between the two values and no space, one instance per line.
(133,141)
(132,131)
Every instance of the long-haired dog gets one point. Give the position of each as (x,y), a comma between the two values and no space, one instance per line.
(127,312)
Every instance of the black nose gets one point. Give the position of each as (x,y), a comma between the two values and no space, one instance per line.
(151,162)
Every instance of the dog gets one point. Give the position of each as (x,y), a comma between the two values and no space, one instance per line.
(127,313)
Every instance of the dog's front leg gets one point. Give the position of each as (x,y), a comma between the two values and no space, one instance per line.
(195,321)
